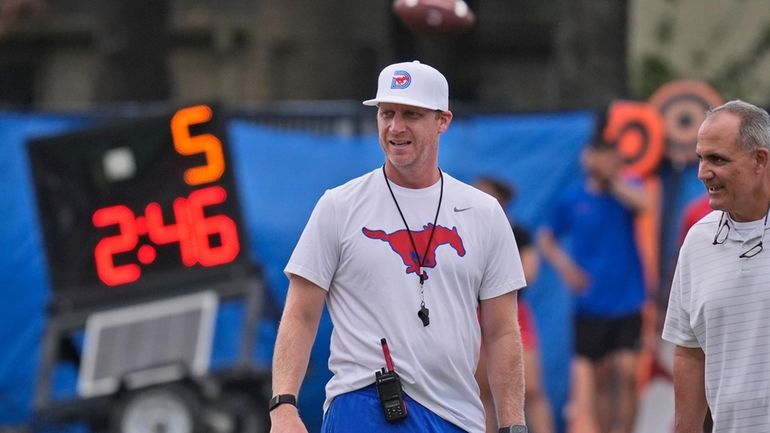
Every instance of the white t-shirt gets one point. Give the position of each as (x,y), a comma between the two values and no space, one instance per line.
(355,246)
(721,303)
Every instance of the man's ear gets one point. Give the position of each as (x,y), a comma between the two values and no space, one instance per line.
(445,121)
(762,158)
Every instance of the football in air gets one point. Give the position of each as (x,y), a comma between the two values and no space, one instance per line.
(434,17)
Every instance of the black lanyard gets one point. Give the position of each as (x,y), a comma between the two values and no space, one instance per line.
(423,312)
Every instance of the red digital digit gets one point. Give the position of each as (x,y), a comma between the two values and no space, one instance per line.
(124,241)
(220,225)
(161,233)
(187,246)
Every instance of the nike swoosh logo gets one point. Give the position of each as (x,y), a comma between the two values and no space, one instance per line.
(456,209)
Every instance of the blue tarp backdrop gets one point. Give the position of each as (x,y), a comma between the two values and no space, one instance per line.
(280,176)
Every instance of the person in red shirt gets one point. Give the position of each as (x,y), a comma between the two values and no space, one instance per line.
(693,212)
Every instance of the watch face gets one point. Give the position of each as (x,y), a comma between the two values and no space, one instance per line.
(519,429)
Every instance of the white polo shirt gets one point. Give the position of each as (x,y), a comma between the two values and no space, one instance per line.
(721,303)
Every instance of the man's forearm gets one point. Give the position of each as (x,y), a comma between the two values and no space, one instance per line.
(631,196)
(506,366)
(296,333)
(292,354)
(508,385)
(553,253)
(689,390)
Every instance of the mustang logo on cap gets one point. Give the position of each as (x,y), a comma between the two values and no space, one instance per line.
(401,80)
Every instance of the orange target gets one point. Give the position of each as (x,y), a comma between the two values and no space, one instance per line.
(638,131)
(682,105)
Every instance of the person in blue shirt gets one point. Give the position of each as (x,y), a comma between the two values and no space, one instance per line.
(590,242)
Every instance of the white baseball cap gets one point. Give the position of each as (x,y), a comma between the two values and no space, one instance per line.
(412,83)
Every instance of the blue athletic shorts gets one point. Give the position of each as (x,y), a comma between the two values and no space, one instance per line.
(360,411)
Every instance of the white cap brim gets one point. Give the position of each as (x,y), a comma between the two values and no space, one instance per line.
(399,100)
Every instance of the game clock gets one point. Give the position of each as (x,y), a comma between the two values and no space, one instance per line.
(138,206)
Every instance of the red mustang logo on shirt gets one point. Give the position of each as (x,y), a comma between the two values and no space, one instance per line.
(400,243)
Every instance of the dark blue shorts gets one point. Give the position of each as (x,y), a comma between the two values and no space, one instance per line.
(596,338)
(360,411)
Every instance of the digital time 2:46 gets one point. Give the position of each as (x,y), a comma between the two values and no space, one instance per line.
(192,229)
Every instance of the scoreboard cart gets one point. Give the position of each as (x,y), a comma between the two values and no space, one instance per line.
(145,242)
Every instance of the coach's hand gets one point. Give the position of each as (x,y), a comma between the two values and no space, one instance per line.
(285,419)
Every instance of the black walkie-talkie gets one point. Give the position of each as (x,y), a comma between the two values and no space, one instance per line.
(389,389)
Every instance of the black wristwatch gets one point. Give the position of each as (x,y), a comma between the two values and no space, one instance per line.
(280,399)
(515,428)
